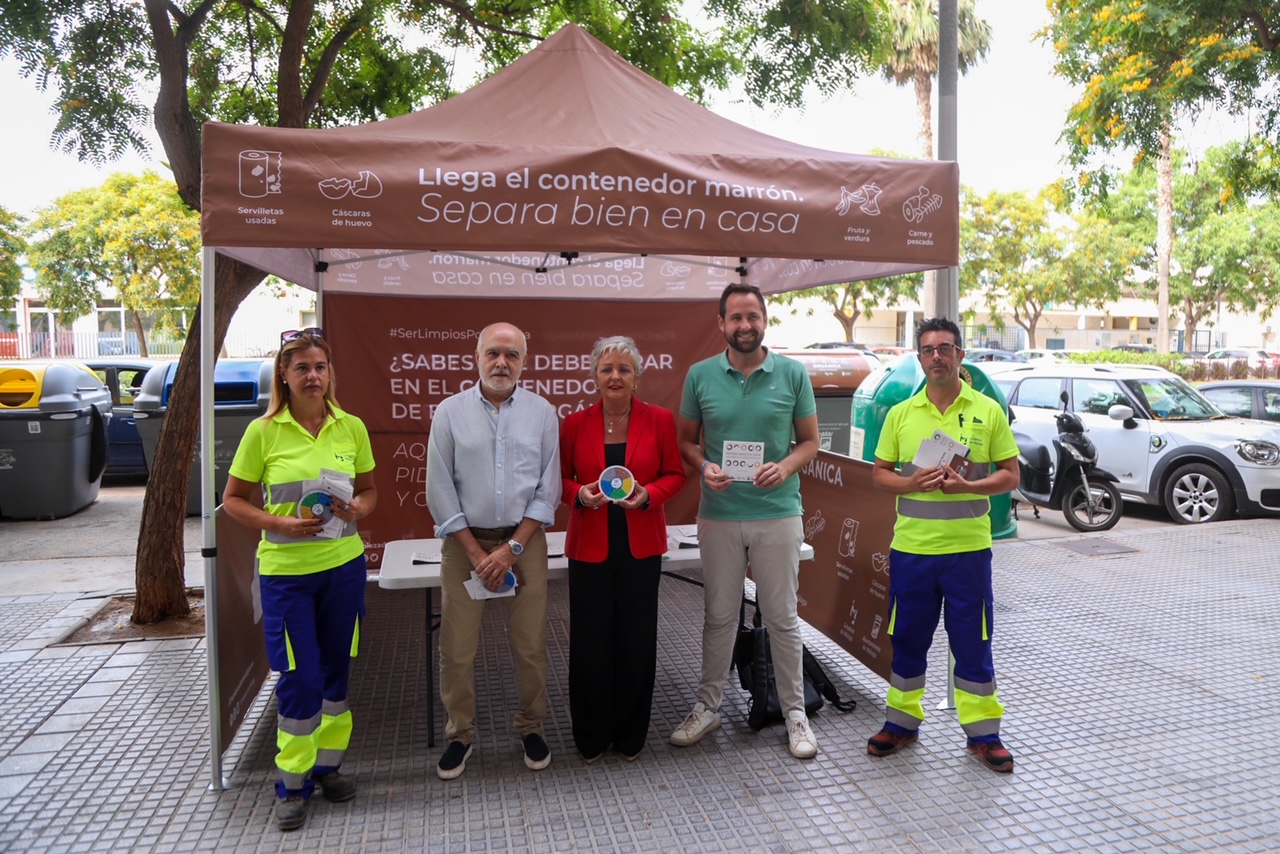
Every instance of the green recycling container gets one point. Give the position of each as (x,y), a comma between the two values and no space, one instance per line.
(893,383)
(53,438)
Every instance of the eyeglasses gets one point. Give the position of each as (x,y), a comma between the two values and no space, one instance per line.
(294,334)
(944,350)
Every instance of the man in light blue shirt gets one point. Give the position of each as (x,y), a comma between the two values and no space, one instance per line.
(493,483)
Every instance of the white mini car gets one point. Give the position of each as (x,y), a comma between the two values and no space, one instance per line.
(1166,442)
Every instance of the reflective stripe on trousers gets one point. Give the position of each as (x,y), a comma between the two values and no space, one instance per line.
(312,625)
(919,584)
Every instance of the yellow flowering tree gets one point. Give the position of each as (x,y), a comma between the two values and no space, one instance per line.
(1023,255)
(132,236)
(1145,65)
(13,246)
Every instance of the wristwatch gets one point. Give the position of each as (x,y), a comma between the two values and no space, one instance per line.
(516,548)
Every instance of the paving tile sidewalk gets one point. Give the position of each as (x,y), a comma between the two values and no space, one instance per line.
(1143,691)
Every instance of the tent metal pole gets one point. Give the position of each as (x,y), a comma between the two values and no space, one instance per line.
(947,295)
(322,267)
(208,528)
(947,292)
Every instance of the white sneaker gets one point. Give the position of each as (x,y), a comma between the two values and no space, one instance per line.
(801,740)
(695,726)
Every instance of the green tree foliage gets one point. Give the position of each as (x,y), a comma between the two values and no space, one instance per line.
(1146,64)
(913,59)
(1023,256)
(311,63)
(913,53)
(134,237)
(13,246)
(1226,249)
(852,301)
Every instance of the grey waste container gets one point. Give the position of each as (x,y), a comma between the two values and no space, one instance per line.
(53,438)
(241,393)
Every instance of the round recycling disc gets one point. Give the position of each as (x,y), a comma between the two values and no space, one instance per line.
(315,505)
(617,483)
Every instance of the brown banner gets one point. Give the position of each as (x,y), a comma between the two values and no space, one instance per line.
(396,359)
(844,590)
(242,653)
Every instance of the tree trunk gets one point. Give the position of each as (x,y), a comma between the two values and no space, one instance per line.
(846,322)
(142,335)
(1164,235)
(160,568)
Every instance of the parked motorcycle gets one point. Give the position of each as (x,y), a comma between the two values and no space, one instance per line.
(1068,480)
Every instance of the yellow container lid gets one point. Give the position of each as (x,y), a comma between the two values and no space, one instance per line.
(20,388)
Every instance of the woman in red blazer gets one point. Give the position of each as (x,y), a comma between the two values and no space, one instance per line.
(615,552)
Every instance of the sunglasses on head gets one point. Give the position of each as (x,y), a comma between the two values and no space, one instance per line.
(294,334)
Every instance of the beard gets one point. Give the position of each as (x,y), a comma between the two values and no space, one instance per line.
(499,383)
(745,342)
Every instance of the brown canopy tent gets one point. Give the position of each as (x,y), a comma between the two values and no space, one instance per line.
(570,173)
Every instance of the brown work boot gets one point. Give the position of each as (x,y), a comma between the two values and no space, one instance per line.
(994,755)
(887,742)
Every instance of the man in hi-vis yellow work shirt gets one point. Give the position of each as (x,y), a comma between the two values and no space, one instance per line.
(942,544)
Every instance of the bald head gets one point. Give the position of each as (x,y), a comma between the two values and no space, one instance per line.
(500,356)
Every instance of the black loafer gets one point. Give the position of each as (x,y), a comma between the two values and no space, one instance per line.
(536,753)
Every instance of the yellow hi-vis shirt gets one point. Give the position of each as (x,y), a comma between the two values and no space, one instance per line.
(280,454)
(933,523)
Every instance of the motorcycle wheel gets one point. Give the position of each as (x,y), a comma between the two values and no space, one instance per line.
(1097,512)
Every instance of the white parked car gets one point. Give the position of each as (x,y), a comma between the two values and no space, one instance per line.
(1037,354)
(1168,444)
(1254,357)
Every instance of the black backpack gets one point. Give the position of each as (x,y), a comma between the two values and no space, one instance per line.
(754,662)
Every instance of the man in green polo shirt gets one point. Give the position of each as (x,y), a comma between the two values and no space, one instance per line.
(737,417)
(941,548)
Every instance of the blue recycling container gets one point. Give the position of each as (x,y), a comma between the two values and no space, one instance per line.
(241,393)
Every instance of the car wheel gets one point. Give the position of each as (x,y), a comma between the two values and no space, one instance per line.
(1198,493)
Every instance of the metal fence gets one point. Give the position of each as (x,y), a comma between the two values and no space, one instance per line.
(96,345)
(1008,338)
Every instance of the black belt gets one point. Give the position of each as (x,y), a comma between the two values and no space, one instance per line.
(494,533)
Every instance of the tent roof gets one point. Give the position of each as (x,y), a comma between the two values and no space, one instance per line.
(570,172)
(574,91)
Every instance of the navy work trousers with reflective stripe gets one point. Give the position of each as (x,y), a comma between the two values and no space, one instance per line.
(310,623)
(918,587)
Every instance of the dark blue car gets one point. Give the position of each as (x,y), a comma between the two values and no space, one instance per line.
(123,375)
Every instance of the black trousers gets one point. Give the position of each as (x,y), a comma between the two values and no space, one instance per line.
(613,650)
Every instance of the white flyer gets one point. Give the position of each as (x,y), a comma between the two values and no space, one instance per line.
(940,449)
(476,590)
(741,459)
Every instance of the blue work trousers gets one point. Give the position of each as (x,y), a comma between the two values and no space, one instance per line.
(312,625)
